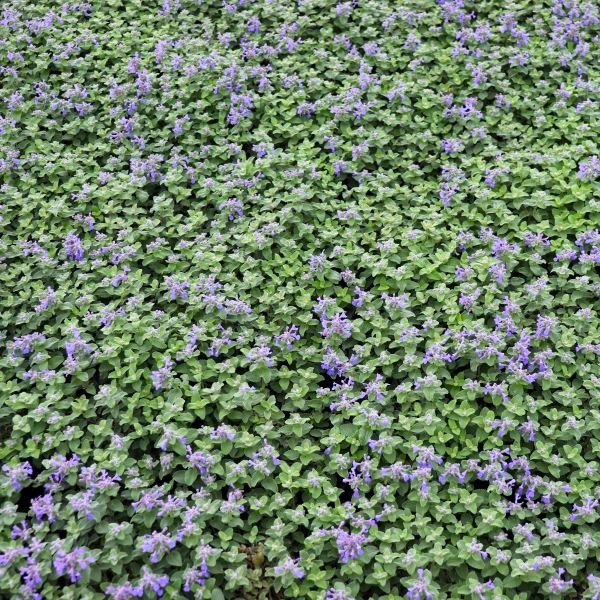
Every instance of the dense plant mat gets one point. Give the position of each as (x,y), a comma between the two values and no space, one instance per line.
(299,299)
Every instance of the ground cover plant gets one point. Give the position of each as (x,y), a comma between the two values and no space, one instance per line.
(299,299)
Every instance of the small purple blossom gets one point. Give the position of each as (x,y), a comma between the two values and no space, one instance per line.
(73,247)
(451,145)
(73,563)
(338,324)
(290,566)
(589,169)
(43,506)
(152,581)
(558,585)
(288,336)
(18,474)
(419,590)
(260,353)
(157,544)
(233,208)
(163,374)
(350,545)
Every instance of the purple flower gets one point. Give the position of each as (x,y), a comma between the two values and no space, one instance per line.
(451,145)
(25,344)
(558,585)
(535,240)
(374,388)
(480,589)
(479,75)
(236,307)
(317,262)
(260,353)
(21,531)
(419,590)
(594,582)
(288,336)
(333,594)
(32,577)
(334,366)
(337,325)
(232,503)
(76,345)
(195,577)
(589,169)
(395,302)
(98,479)
(125,591)
(233,208)
(496,389)
(463,273)
(82,503)
(171,504)
(306,109)
(339,167)
(12,554)
(544,326)
(360,297)
(43,506)
(73,247)
(350,545)
(290,565)
(586,508)
(498,271)
(163,374)
(218,343)
(468,300)
(198,576)
(72,563)
(152,581)
(179,123)
(200,460)
(18,474)
(47,299)
(157,544)
(148,500)
(253,25)
(260,460)
(177,289)
(240,108)
(529,428)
